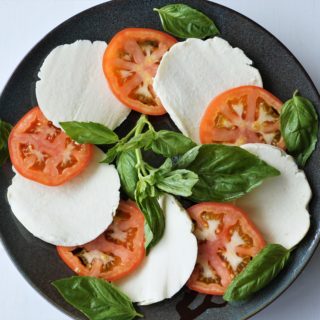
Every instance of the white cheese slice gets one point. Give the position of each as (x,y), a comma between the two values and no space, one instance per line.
(72,86)
(170,263)
(193,72)
(72,214)
(279,206)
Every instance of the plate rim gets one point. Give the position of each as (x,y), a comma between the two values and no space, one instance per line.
(316,240)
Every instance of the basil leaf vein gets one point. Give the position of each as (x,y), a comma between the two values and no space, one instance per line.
(264,267)
(299,127)
(96,298)
(185,22)
(89,132)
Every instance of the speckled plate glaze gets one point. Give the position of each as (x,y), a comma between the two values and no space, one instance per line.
(281,73)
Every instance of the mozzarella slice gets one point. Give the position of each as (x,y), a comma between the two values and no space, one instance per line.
(193,72)
(72,86)
(279,206)
(170,263)
(72,214)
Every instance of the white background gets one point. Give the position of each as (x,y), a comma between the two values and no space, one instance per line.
(23,23)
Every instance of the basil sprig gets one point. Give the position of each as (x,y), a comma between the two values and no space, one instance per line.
(225,173)
(299,127)
(142,182)
(5,129)
(96,298)
(263,268)
(89,132)
(185,22)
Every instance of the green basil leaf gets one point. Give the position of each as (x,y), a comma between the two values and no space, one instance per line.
(96,298)
(89,132)
(178,182)
(5,129)
(152,212)
(185,22)
(126,166)
(225,172)
(264,267)
(299,127)
(171,144)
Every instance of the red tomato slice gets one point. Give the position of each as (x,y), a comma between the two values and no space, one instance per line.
(130,63)
(243,115)
(115,253)
(227,241)
(42,152)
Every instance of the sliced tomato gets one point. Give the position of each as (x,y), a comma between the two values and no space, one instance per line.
(227,241)
(115,253)
(43,153)
(130,63)
(243,115)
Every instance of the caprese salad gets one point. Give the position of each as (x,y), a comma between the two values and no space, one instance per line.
(236,159)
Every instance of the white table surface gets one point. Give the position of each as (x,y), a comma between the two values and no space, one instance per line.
(23,23)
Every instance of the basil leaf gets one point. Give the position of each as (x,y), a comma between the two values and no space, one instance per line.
(299,127)
(152,212)
(225,172)
(264,267)
(5,129)
(89,132)
(126,166)
(171,144)
(178,182)
(185,22)
(96,298)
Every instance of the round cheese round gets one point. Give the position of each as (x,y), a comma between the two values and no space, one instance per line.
(72,86)
(278,207)
(72,214)
(193,72)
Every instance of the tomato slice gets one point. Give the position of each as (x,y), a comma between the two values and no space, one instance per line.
(243,115)
(227,241)
(43,153)
(130,63)
(115,253)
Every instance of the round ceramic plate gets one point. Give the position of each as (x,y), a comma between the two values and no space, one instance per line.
(281,73)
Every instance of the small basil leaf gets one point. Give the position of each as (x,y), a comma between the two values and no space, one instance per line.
(185,22)
(225,172)
(96,298)
(171,144)
(299,127)
(264,267)
(89,132)
(126,166)
(178,182)
(5,129)
(152,212)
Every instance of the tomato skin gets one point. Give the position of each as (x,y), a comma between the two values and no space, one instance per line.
(219,227)
(34,131)
(142,67)
(130,258)
(257,120)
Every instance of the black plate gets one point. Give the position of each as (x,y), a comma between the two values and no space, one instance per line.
(281,73)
